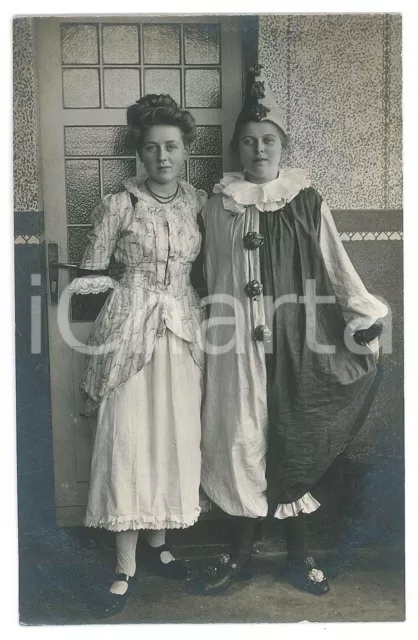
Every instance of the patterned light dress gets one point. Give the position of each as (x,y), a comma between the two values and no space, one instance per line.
(144,372)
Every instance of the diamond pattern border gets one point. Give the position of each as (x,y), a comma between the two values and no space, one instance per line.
(345,236)
(360,236)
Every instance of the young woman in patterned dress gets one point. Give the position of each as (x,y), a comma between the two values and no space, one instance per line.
(143,373)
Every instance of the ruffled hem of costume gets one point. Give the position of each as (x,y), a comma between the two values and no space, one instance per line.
(306,504)
(123,523)
(92,284)
(238,193)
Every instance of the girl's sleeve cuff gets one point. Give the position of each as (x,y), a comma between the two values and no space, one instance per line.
(92,284)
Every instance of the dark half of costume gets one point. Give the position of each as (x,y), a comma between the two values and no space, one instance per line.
(313,397)
(277,413)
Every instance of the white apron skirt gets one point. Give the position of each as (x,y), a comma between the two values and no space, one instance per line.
(145,470)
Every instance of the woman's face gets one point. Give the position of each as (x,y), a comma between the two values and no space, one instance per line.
(163,153)
(260,150)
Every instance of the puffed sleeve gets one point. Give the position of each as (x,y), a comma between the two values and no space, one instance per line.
(202,198)
(360,309)
(101,243)
(101,240)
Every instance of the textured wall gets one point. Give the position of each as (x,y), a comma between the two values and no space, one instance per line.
(33,415)
(27,190)
(338,80)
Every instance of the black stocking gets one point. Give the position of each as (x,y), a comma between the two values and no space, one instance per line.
(244,532)
(295,534)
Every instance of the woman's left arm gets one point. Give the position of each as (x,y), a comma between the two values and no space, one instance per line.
(93,273)
(360,309)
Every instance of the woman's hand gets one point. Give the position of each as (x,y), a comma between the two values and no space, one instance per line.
(116,270)
(370,337)
(366,336)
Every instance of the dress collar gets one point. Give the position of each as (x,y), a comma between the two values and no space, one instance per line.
(238,193)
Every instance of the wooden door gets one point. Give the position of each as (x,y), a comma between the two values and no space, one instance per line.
(90,70)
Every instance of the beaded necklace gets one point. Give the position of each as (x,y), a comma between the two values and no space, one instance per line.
(162,199)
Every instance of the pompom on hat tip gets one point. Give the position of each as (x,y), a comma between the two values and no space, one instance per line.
(259,103)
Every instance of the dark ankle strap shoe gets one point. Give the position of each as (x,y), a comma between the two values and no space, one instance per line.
(158,561)
(305,575)
(111,603)
(221,576)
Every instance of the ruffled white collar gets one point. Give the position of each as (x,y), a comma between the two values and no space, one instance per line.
(238,193)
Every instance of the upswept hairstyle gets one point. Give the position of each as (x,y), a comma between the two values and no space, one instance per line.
(155,109)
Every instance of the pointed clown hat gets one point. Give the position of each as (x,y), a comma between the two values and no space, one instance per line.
(259,103)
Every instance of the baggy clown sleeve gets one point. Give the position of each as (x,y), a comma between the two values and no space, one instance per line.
(359,308)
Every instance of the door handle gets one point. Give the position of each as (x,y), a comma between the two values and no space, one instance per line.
(64,265)
(53,271)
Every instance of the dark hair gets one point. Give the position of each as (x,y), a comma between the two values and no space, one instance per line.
(240,124)
(155,109)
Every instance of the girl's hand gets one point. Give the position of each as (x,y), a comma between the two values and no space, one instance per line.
(116,270)
(366,336)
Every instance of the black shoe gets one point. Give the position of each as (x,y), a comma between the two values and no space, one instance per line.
(152,559)
(305,575)
(111,603)
(221,577)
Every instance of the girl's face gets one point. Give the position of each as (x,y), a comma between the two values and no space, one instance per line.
(260,150)
(163,153)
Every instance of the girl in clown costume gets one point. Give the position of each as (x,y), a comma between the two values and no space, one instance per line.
(279,406)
